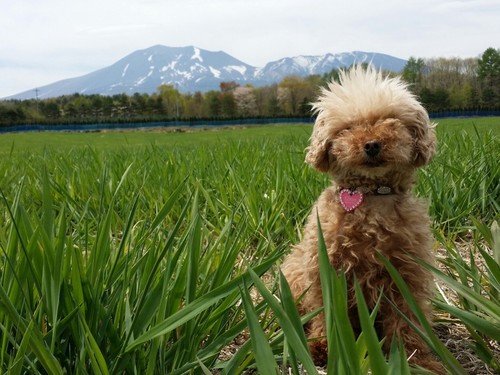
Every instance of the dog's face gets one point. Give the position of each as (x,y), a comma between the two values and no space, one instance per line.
(370,126)
(371,149)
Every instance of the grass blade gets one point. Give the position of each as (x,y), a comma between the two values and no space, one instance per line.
(264,357)
(36,343)
(376,356)
(426,333)
(291,331)
(197,306)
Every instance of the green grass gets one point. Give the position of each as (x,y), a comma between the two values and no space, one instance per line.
(137,252)
(468,125)
(115,140)
(463,181)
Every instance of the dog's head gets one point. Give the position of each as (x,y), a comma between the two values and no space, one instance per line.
(369,124)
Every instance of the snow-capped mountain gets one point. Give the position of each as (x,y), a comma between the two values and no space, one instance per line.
(192,69)
(307,65)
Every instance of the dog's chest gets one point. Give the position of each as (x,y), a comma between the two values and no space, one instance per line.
(394,225)
(371,228)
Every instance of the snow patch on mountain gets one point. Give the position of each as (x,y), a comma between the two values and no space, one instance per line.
(140,81)
(125,70)
(239,68)
(168,67)
(197,55)
(215,72)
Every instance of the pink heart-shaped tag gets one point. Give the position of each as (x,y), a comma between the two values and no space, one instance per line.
(351,199)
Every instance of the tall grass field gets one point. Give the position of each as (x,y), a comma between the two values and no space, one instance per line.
(158,253)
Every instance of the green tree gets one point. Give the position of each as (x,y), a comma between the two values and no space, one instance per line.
(11,113)
(266,100)
(139,103)
(413,70)
(152,107)
(172,100)
(435,100)
(122,106)
(332,76)
(212,104)
(489,64)
(291,93)
(273,106)
(461,96)
(194,105)
(50,109)
(82,106)
(96,105)
(489,75)
(228,105)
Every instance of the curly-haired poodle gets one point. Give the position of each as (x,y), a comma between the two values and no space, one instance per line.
(371,134)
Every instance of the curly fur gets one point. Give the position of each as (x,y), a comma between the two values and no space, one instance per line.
(364,107)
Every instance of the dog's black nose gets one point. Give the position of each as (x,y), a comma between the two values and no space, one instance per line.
(372,148)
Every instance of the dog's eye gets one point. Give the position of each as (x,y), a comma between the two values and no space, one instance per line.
(344,131)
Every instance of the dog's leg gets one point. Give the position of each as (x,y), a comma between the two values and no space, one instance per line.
(294,270)
(318,346)
(299,279)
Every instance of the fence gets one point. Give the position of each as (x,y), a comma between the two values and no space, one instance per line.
(206,123)
(153,125)
(467,113)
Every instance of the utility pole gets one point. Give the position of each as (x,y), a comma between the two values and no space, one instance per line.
(176,101)
(36,98)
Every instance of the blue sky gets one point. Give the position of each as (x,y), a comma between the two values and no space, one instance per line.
(42,41)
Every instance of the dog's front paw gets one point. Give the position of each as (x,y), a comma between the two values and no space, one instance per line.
(432,365)
(429,362)
(319,352)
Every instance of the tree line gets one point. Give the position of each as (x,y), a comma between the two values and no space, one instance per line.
(442,84)
(456,84)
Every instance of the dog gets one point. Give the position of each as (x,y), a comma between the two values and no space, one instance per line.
(371,135)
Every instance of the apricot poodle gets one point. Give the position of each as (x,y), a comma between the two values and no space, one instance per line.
(371,135)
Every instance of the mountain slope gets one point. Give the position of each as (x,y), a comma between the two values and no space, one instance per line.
(307,65)
(193,69)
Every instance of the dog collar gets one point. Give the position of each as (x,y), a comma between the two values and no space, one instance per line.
(352,198)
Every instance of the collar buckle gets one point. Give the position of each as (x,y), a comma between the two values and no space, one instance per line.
(384,190)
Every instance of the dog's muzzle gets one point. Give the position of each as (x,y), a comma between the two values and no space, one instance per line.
(372,149)
(373,154)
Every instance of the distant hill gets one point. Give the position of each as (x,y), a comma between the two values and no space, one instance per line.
(192,69)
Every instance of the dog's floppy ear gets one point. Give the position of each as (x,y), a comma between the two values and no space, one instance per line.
(425,138)
(317,152)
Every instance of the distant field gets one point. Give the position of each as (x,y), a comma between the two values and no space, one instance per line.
(109,140)
(468,124)
(37,141)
